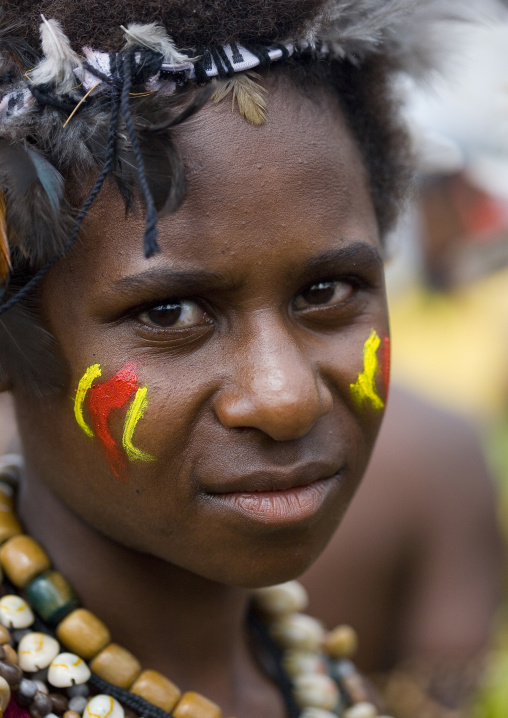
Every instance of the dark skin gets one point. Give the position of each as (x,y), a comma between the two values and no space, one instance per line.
(421,537)
(275,261)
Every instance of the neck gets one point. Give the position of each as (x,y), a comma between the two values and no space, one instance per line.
(187,627)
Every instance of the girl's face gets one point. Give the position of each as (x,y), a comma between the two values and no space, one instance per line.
(225,394)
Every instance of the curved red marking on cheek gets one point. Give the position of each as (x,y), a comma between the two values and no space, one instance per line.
(385,364)
(113,394)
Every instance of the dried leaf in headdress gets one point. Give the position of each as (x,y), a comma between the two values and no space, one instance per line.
(5,254)
(34,195)
(249,94)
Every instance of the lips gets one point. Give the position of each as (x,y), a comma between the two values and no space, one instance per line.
(272,479)
(278,497)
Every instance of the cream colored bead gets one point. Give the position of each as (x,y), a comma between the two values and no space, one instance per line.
(298,631)
(317,713)
(290,597)
(15,612)
(315,691)
(36,651)
(67,669)
(298,662)
(5,694)
(103,706)
(342,642)
(361,710)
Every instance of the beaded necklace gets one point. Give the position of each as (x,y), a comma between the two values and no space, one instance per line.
(62,662)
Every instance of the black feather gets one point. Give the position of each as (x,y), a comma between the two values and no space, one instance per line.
(16,55)
(28,353)
(37,221)
(200,99)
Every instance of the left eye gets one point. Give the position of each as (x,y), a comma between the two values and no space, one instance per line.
(177,314)
(325,294)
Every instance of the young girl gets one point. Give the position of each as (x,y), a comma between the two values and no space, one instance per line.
(194,330)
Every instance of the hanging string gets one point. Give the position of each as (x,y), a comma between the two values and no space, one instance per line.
(150,236)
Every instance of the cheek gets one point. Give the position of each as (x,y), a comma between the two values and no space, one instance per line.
(365,391)
(98,403)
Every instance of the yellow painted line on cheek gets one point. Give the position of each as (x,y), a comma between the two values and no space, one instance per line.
(84,386)
(365,388)
(135,413)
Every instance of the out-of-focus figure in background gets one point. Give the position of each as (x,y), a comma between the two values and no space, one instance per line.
(416,563)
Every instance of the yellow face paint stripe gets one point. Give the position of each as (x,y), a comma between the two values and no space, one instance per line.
(135,413)
(84,386)
(365,388)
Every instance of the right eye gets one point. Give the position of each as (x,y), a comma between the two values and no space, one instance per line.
(175,314)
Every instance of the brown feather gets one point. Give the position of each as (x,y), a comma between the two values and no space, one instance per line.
(249,95)
(5,254)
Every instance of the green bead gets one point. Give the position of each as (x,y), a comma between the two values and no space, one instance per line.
(51,596)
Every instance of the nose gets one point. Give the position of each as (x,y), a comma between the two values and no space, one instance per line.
(273,386)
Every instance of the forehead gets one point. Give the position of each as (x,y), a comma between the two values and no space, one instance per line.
(300,176)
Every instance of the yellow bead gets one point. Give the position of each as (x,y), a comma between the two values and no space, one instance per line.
(116,665)
(23,559)
(9,525)
(83,633)
(5,636)
(194,705)
(342,642)
(156,689)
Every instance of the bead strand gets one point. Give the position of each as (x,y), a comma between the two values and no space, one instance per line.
(326,684)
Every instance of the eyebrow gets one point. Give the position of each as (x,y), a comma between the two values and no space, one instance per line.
(163,279)
(357,254)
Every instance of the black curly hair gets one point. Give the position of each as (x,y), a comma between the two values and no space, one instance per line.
(363,91)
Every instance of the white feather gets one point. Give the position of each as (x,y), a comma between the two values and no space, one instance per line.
(59,61)
(155,38)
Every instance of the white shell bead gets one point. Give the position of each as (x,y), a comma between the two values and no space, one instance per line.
(298,631)
(42,687)
(36,651)
(103,706)
(298,662)
(66,669)
(317,713)
(284,598)
(361,710)
(15,612)
(316,691)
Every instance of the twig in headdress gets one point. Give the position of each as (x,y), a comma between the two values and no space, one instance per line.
(249,94)
(79,104)
(5,255)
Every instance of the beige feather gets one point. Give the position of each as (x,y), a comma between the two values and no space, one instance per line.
(247,93)
(5,255)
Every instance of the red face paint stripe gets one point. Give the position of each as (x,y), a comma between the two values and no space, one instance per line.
(113,394)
